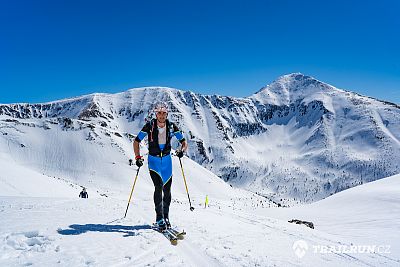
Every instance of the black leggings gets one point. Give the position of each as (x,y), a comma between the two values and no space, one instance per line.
(161,202)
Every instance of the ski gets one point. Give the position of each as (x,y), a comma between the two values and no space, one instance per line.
(170,236)
(178,234)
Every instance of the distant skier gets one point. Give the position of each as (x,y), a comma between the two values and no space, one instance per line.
(130,162)
(160,132)
(83,194)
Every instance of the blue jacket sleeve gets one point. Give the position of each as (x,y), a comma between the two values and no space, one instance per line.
(142,134)
(178,133)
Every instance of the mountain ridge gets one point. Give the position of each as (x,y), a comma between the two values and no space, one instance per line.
(292,148)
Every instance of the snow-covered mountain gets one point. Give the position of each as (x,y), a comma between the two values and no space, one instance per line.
(296,140)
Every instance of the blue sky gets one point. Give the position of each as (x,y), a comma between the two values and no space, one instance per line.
(56,49)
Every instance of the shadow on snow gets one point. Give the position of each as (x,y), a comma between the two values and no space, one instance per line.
(77,229)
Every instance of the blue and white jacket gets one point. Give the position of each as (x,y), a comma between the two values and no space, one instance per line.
(159,159)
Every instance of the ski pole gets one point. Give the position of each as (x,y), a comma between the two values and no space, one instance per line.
(130,196)
(187,191)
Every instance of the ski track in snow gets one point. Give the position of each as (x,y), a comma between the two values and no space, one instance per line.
(187,251)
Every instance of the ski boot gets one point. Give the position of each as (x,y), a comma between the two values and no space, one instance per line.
(167,223)
(162,226)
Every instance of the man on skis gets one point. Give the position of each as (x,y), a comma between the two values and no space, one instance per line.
(160,132)
(83,193)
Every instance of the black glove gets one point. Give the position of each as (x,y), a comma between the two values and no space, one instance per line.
(139,161)
(179,153)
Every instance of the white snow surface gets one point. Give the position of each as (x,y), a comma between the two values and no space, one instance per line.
(44,223)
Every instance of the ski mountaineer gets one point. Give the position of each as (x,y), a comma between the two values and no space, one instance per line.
(83,193)
(160,132)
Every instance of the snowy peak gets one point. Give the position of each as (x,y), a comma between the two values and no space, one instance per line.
(291,87)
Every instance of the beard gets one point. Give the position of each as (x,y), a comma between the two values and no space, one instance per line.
(161,120)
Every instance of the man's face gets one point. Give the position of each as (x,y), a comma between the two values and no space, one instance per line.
(161,116)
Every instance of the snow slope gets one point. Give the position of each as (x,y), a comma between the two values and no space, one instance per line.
(366,213)
(238,229)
